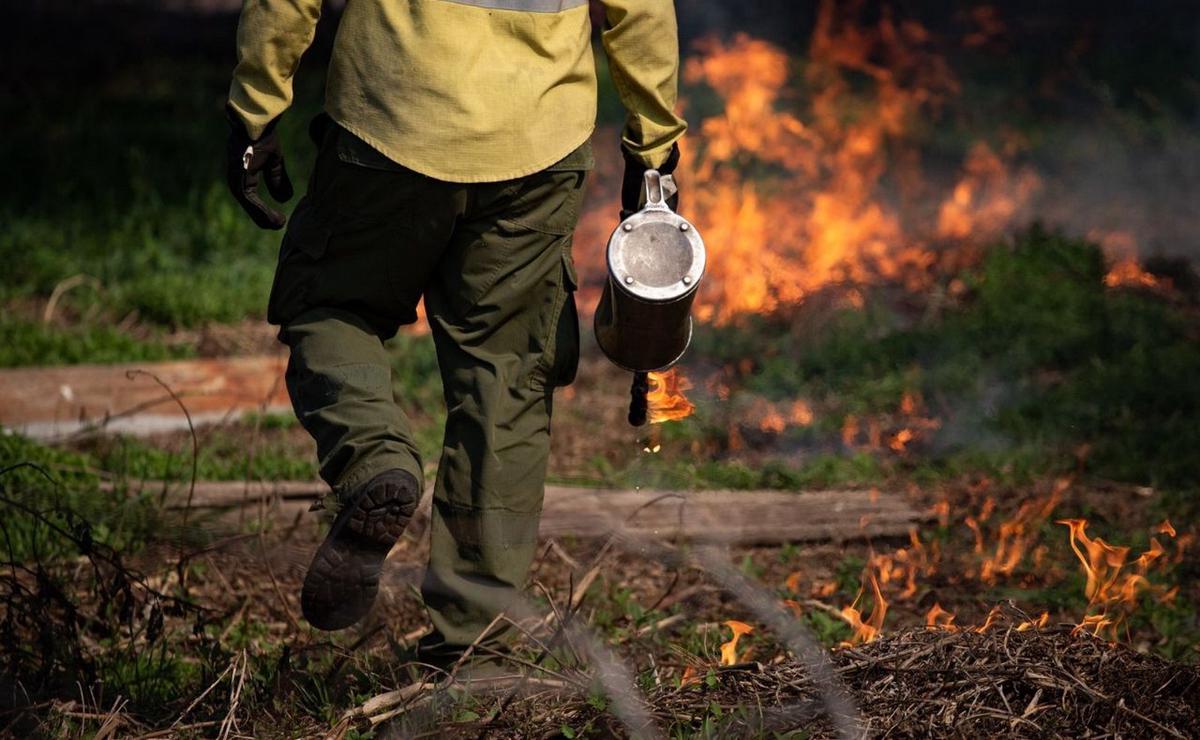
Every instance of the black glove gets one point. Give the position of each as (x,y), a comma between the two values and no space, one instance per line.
(245,158)
(633,187)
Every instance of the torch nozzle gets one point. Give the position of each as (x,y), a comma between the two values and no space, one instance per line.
(638,405)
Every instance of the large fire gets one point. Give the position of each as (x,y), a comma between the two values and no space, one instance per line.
(812,183)
(795,194)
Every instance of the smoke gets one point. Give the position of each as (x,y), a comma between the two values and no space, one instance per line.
(1130,184)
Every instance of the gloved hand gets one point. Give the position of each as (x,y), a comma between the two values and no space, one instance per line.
(244,160)
(632,186)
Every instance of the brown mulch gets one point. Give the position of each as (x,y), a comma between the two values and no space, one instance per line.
(916,684)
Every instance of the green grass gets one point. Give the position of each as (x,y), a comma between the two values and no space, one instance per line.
(1039,358)
(65,485)
(24,342)
(123,183)
(223,456)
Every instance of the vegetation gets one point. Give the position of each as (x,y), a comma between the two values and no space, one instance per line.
(1017,370)
(1033,364)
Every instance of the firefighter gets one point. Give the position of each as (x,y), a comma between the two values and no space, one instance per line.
(452,158)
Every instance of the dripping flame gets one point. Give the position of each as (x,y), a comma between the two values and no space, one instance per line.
(666,400)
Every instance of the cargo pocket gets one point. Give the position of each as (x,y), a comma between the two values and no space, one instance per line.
(303,246)
(561,361)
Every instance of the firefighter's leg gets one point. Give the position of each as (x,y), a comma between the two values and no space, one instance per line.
(340,382)
(358,251)
(502,311)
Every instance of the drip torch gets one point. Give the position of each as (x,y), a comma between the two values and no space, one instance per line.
(655,262)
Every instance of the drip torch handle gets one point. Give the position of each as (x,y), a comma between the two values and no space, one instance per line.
(658,188)
(638,405)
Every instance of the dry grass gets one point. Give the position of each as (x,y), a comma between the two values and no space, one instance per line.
(919,683)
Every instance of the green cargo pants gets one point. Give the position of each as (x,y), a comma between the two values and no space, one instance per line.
(493,263)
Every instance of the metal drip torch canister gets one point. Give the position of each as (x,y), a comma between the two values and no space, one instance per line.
(655,262)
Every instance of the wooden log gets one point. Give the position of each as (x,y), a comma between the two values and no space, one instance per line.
(733,517)
(54,402)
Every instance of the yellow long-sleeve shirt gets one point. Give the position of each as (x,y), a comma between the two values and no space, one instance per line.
(469,90)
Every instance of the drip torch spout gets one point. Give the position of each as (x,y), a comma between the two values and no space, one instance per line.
(638,404)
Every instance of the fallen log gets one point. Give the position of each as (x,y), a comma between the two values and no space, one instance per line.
(55,402)
(733,517)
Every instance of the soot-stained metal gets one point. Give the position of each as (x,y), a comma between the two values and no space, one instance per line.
(656,260)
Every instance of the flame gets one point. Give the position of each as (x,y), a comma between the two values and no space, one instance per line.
(986,198)
(771,420)
(1128,272)
(729,653)
(1114,584)
(825,588)
(793,582)
(849,430)
(1016,534)
(690,676)
(989,27)
(992,616)
(819,211)
(1182,543)
(801,413)
(942,510)
(666,400)
(1034,624)
(869,629)
(900,439)
(796,607)
(1121,248)
(939,618)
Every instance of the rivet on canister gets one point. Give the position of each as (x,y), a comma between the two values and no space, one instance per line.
(627,227)
(629,279)
(687,279)
(684,227)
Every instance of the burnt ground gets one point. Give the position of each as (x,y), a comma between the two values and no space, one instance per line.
(664,618)
(663,614)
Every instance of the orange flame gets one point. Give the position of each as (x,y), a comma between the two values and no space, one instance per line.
(793,581)
(1113,584)
(992,616)
(1128,272)
(801,413)
(849,430)
(690,676)
(869,629)
(796,607)
(900,440)
(666,400)
(825,219)
(1034,624)
(1121,248)
(1017,534)
(939,618)
(825,589)
(729,652)
(942,510)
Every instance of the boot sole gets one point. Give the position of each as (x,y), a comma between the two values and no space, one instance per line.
(343,579)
